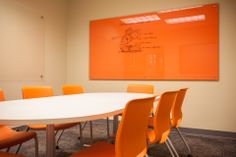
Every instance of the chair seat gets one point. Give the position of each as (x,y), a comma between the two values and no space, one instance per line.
(175,123)
(4,154)
(100,149)
(13,138)
(57,126)
(151,136)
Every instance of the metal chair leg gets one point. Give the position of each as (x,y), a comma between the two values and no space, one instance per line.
(172,147)
(171,152)
(85,123)
(91,131)
(108,129)
(18,149)
(36,146)
(81,133)
(56,132)
(8,149)
(186,144)
(58,139)
(28,128)
(115,124)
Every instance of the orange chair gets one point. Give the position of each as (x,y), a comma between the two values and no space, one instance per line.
(131,135)
(176,115)
(9,137)
(72,89)
(140,88)
(4,154)
(161,122)
(134,88)
(2,97)
(76,89)
(44,91)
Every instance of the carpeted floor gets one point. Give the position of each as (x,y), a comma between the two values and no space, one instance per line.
(201,145)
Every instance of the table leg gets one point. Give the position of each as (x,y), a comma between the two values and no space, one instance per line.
(50,141)
(115,124)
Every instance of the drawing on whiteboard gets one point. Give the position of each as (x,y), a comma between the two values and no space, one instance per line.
(130,41)
(134,41)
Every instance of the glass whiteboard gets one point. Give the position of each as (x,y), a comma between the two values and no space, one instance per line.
(176,44)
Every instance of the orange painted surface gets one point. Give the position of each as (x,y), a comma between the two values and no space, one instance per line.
(178,44)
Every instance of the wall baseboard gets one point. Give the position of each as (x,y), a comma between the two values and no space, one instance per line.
(207,133)
(201,132)
(184,130)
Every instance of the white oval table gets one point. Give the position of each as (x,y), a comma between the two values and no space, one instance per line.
(64,109)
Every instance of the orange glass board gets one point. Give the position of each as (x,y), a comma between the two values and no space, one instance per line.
(176,44)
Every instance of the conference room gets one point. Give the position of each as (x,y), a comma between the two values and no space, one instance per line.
(117,78)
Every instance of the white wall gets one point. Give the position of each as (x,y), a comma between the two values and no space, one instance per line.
(208,105)
(54,12)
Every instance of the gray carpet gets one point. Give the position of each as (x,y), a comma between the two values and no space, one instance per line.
(201,146)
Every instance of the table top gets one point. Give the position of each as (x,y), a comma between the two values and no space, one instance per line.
(65,108)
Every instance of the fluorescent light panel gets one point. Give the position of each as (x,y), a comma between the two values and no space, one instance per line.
(185,19)
(139,19)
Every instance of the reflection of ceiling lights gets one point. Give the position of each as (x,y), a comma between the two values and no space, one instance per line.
(140,19)
(185,19)
(172,10)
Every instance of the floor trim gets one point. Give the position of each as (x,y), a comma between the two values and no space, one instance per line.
(184,130)
(208,133)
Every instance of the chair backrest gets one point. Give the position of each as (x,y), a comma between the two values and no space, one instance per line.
(140,88)
(162,116)
(2,97)
(176,111)
(72,89)
(131,134)
(36,92)
(3,128)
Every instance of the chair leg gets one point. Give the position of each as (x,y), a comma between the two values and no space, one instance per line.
(91,131)
(56,133)
(28,128)
(36,146)
(81,133)
(58,139)
(85,123)
(172,147)
(115,124)
(18,149)
(171,152)
(108,129)
(8,149)
(186,144)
